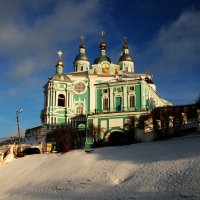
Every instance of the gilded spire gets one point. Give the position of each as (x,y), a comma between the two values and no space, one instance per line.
(60,55)
(125,46)
(60,63)
(125,38)
(125,56)
(82,41)
(102,36)
(82,38)
(103,44)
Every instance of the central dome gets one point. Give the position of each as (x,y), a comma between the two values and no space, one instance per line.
(101,58)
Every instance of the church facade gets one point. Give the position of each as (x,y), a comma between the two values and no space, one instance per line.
(105,93)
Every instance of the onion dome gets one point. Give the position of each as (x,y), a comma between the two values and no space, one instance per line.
(102,48)
(125,55)
(60,63)
(81,61)
(60,77)
(82,55)
(101,59)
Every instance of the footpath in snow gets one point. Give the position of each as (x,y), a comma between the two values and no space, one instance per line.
(158,170)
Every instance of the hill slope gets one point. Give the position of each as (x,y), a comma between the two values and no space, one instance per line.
(157,170)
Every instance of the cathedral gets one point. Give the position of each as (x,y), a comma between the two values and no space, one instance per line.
(101,93)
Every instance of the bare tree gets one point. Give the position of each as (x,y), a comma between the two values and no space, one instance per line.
(130,129)
(94,133)
(198,102)
(62,138)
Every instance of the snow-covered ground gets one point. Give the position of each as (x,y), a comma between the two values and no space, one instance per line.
(158,170)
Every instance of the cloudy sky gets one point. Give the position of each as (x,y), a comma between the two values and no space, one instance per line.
(163,37)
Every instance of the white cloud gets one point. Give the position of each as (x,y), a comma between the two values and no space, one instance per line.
(173,57)
(29,44)
(177,46)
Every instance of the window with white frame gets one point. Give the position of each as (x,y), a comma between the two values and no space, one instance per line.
(131,88)
(132,101)
(105,91)
(105,103)
(61,100)
(126,69)
(79,110)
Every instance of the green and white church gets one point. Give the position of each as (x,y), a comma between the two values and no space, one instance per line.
(102,93)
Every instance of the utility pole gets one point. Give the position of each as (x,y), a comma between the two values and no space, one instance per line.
(18,129)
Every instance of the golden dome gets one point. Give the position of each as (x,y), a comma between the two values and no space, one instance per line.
(60,63)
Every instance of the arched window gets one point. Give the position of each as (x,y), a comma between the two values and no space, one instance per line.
(79,110)
(61,100)
(81,68)
(126,69)
(81,127)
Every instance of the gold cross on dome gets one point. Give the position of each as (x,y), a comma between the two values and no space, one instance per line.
(102,35)
(125,38)
(60,54)
(82,38)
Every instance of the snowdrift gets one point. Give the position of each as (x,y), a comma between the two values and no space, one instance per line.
(157,170)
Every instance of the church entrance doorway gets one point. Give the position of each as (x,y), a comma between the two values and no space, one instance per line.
(79,124)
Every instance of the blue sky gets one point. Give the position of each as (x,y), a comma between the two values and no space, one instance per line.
(163,37)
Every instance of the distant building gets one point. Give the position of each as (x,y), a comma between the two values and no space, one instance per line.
(105,93)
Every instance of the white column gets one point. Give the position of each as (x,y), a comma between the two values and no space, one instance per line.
(141,96)
(92,97)
(48,97)
(71,103)
(50,101)
(125,97)
(51,104)
(111,98)
(55,98)
(66,99)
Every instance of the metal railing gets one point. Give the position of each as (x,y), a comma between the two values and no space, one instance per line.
(114,110)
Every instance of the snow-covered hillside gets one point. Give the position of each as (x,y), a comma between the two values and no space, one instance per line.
(158,170)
